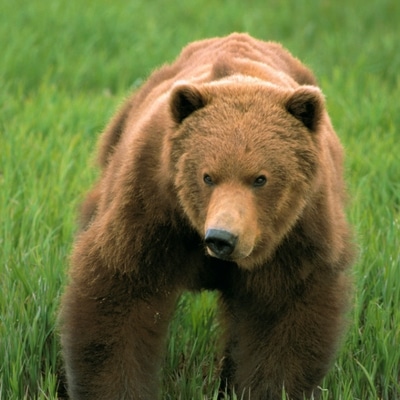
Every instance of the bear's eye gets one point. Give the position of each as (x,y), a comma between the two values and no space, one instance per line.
(260,181)
(208,180)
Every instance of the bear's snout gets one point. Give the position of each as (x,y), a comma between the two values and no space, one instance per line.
(220,242)
(230,228)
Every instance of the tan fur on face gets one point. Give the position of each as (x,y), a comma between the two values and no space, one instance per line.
(231,208)
(249,123)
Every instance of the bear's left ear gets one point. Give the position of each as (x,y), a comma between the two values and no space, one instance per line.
(307,105)
(185,99)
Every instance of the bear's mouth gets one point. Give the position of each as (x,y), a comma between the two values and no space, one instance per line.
(219,257)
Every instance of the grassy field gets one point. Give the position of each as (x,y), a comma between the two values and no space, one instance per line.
(66,66)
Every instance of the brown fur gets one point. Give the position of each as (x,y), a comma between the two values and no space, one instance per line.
(232,137)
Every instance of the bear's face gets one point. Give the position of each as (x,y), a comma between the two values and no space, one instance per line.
(245,161)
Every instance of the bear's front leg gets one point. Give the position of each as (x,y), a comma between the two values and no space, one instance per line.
(288,343)
(113,337)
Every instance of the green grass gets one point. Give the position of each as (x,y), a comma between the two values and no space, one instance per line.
(66,66)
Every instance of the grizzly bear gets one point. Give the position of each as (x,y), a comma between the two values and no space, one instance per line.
(222,172)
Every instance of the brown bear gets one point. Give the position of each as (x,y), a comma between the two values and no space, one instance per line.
(222,172)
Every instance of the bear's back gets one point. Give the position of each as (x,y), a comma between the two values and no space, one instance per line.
(206,61)
(242,47)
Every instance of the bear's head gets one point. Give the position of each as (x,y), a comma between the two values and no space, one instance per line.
(245,160)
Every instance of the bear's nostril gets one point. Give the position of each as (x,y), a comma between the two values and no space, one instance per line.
(220,242)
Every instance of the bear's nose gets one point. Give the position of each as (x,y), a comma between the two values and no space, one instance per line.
(220,242)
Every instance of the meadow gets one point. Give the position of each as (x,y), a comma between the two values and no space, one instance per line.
(65,67)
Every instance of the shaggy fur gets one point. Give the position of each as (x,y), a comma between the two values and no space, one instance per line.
(222,172)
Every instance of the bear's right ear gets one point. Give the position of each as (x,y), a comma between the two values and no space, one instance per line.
(185,99)
(307,105)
